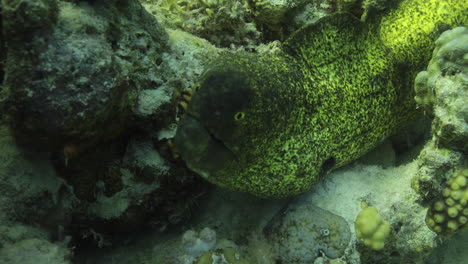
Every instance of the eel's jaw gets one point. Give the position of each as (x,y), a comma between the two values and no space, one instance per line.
(202,153)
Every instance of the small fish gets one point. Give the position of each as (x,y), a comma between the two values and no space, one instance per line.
(275,125)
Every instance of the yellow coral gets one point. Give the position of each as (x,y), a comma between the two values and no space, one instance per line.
(371,229)
(449,214)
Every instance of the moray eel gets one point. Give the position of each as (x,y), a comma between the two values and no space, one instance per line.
(275,125)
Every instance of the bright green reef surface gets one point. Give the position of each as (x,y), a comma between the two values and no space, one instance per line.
(274,125)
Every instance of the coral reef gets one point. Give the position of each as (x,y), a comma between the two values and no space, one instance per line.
(435,165)
(77,75)
(234,215)
(312,12)
(363,8)
(73,69)
(441,91)
(371,228)
(450,214)
(204,248)
(301,230)
(390,191)
(238,24)
(195,245)
(224,23)
(88,109)
(128,191)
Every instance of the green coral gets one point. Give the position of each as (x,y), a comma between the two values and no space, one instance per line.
(449,213)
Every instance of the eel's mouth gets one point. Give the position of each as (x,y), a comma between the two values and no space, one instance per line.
(202,152)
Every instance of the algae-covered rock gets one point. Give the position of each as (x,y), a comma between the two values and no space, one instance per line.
(274,15)
(301,231)
(435,164)
(77,75)
(238,24)
(389,190)
(122,187)
(131,191)
(73,69)
(313,11)
(442,92)
(363,8)
(223,22)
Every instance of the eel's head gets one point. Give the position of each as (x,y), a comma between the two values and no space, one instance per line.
(239,127)
(211,135)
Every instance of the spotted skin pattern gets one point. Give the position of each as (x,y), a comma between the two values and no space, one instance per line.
(337,88)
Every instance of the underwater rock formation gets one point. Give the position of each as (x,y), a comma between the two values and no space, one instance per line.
(389,190)
(299,232)
(30,193)
(141,189)
(73,70)
(35,205)
(196,243)
(239,24)
(77,75)
(205,248)
(223,23)
(442,92)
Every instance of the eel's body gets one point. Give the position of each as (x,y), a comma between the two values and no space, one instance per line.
(274,125)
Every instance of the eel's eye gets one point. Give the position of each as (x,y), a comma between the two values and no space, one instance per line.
(239,116)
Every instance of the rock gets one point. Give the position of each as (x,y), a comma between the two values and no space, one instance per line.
(73,70)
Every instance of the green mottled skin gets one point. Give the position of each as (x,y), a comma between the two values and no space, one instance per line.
(339,88)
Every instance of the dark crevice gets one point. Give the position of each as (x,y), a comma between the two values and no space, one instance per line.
(327,165)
